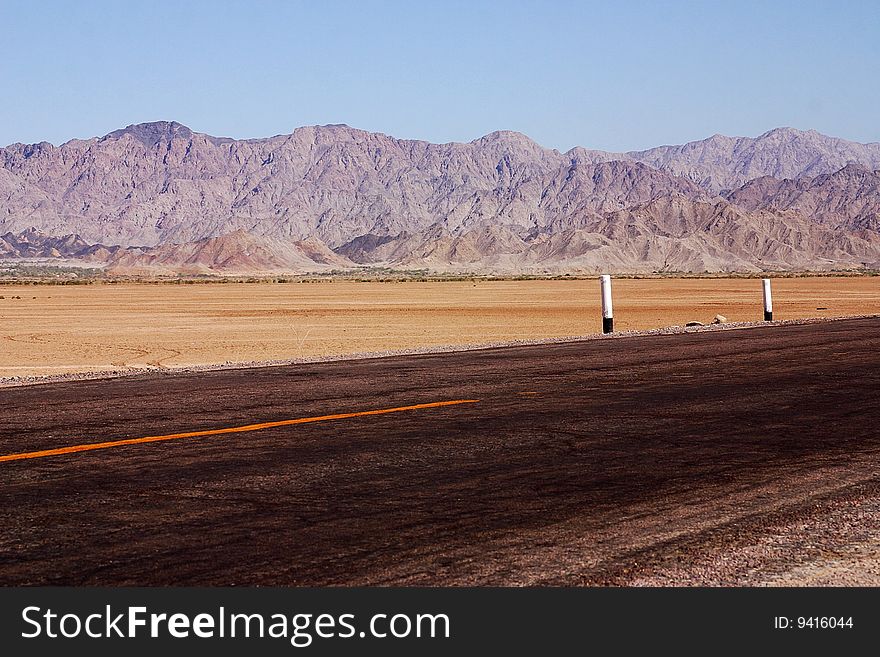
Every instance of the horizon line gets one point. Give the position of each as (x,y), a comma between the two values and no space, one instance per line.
(425,141)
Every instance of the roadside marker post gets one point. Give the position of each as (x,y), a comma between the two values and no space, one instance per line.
(768,301)
(607,312)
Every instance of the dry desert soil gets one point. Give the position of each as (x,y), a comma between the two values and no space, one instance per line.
(48,330)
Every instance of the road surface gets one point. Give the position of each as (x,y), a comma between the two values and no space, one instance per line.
(596,462)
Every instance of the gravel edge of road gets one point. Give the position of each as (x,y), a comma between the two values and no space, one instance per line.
(18,381)
(835,543)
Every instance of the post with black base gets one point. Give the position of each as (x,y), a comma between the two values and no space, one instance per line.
(607,313)
(768,301)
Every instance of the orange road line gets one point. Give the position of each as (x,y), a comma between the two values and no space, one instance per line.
(214,432)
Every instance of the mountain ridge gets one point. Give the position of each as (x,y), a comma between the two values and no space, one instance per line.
(499,202)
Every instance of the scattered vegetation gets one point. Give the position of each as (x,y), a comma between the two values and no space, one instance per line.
(40,274)
(45,274)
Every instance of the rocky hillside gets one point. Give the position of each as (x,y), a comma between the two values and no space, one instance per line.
(233,252)
(32,243)
(159,197)
(846,199)
(722,163)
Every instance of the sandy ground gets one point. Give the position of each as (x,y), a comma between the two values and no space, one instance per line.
(52,330)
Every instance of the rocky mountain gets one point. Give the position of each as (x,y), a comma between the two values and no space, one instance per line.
(847,199)
(32,243)
(672,233)
(722,163)
(236,252)
(159,197)
(230,253)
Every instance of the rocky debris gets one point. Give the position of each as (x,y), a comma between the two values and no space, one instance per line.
(719,319)
(695,324)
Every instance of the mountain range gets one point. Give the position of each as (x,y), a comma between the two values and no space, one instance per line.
(158,198)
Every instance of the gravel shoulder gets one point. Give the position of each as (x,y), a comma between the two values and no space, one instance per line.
(189,369)
(836,543)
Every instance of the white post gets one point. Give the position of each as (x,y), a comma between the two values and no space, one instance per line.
(607,313)
(768,301)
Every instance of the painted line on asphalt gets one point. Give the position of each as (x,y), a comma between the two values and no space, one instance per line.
(87,447)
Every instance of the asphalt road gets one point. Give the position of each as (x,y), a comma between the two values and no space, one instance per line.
(579,463)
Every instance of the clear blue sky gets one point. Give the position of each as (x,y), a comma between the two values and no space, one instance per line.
(614,75)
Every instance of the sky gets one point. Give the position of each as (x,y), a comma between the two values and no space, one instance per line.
(610,75)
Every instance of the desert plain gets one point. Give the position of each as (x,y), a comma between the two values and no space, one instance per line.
(49,330)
